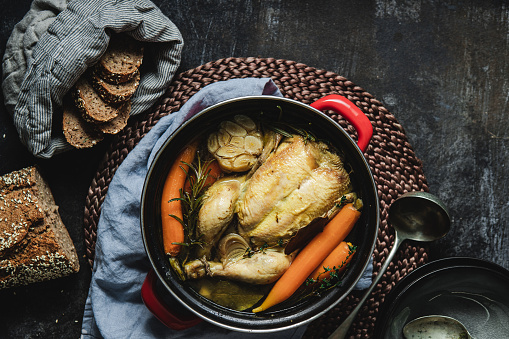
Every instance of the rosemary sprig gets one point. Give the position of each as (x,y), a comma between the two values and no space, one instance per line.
(289,131)
(191,201)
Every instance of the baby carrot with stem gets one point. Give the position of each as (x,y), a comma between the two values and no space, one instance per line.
(312,255)
(171,210)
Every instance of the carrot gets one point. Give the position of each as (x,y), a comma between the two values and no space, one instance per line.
(311,256)
(213,170)
(173,230)
(336,261)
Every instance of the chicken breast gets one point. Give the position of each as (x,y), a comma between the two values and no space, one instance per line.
(299,182)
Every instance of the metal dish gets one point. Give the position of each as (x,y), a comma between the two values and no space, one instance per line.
(473,291)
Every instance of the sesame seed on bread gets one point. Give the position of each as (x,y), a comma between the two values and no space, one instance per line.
(121,59)
(116,125)
(77,131)
(15,221)
(45,250)
(102,95)
(115,93)
(93,108)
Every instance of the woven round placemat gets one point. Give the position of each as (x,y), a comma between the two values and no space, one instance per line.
(393,163)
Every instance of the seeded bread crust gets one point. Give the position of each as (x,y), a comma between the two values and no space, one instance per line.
(115,93)
(77,131)
(116,125)
(121,60)
(45,251)
(15,220)
(93,108)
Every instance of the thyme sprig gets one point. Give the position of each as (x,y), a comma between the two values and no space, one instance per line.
(250,252)
(321,285)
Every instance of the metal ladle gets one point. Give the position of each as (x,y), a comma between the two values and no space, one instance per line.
(418,216)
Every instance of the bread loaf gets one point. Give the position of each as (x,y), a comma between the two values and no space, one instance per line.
(34,243)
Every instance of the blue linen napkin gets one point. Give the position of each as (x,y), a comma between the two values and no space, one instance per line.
(114,308)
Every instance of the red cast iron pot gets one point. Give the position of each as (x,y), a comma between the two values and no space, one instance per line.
(179,306)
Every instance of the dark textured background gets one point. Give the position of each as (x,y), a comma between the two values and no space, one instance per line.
(441,67)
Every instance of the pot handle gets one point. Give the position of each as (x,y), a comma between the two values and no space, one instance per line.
(174,319)
(351,113)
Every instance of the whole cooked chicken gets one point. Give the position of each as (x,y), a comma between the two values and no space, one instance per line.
(298,182)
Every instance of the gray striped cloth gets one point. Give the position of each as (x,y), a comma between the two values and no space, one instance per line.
(72,39)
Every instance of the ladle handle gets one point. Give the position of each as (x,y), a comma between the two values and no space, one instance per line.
(342,330)
(351,113)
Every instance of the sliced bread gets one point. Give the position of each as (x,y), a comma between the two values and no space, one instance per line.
(116,125)
(115,93)
(121,59)
(93,108)
(41,248)
(103,94)
(77,131)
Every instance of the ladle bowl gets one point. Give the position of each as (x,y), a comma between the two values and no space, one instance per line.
(418,216)
(435,326)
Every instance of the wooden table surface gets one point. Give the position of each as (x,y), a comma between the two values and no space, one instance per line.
(441,67)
